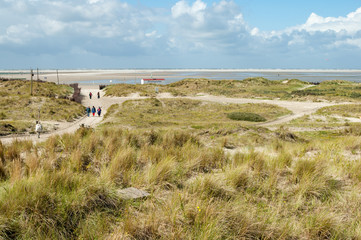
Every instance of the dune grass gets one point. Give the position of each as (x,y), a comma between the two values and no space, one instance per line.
(251,87)
(209,177)
(20,110)
(248,88)
(44,89)
(246,116)
(344,110)
(185,113)
(332,90)
(67,187)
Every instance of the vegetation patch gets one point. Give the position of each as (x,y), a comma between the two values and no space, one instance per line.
(40,88)
(273,187)
(48,102)
(250,87)
(345,110)
(187,113)
(247,88)
(332,90)
(246,116)
(210,177)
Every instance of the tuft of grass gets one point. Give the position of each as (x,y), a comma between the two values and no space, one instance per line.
(239,178)
(122,166)
(210,187)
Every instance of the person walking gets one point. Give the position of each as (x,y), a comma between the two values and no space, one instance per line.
(93,111)
(99,111)
(88,110)
(38,128)
(90,95)
(98,95)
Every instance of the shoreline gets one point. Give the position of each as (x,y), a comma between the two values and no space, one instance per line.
(173,75)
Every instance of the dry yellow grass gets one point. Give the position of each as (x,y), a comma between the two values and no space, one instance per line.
(20,110)
(67,186)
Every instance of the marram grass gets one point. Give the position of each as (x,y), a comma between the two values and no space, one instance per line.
(66,187)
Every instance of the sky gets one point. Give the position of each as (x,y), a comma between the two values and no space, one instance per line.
(117,34)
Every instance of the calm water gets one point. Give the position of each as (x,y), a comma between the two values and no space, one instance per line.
(175,76)
(304,76)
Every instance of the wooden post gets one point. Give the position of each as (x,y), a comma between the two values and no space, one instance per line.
(31,82)
(37,72)
(57,75)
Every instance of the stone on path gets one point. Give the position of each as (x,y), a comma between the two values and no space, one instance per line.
(132,193)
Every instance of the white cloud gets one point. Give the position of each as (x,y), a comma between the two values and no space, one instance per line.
(198,27)
(317,34)
(196,11)
(94,1)
(151,34)
(349,24)
(77,23)
(50,26)
(351,42)
(254,31)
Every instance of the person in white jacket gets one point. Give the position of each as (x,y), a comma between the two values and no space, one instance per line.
(38,128)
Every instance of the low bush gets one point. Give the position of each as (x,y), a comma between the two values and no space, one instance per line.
(246,116)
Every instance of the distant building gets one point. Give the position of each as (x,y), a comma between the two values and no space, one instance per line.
(151,80)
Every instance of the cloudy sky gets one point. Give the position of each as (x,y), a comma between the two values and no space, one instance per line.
(73,34)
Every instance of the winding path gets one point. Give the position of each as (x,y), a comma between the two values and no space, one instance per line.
(298,109)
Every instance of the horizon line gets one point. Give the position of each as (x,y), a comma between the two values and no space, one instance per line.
(193,69)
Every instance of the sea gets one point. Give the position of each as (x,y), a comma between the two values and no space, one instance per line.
(303,75)
(133,76)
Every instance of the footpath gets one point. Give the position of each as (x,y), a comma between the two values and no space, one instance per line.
(68,127)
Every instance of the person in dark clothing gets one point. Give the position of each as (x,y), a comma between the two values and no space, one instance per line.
(99,111)
(98,95)
(90,95)
(93,111)
(88,110)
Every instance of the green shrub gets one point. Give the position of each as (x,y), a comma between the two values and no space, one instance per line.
(245,116)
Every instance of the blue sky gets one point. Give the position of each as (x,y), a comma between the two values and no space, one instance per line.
(180,34)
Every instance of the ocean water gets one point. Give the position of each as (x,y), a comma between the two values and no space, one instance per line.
(354,76)
(174,76)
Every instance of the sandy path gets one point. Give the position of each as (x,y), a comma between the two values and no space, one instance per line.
(68,127)
(299,109)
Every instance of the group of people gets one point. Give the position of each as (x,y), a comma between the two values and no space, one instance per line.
(93,111)
(91,94)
